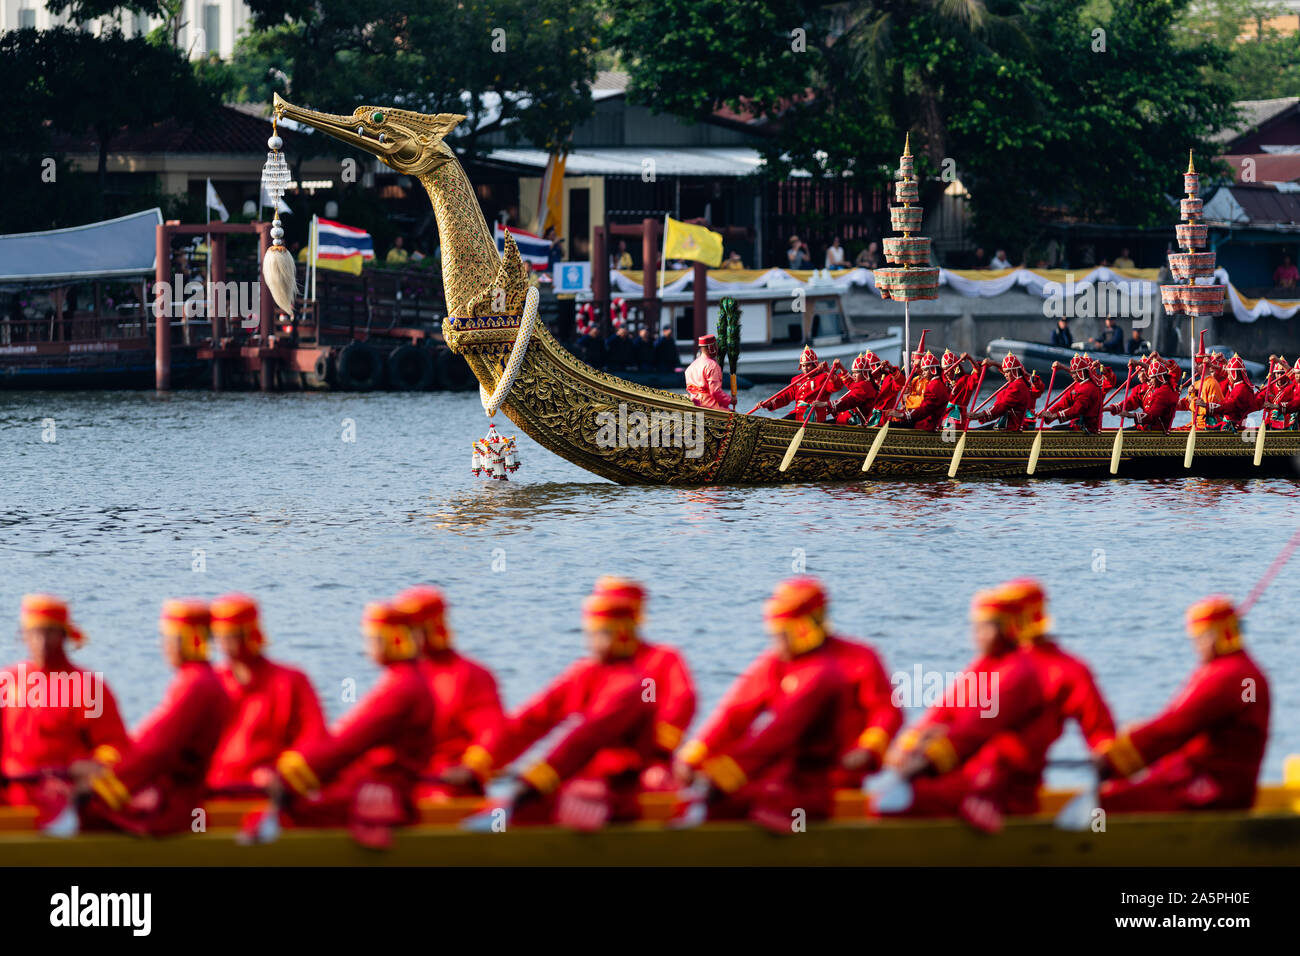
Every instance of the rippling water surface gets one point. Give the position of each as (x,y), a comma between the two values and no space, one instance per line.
(141,497)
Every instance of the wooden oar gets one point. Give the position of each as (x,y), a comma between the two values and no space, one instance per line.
(1191,432)
(961,442)
(797,440)
(1263,424)
(1042,418)
(884,422)
(1117,446)
(981,405)
(793,382)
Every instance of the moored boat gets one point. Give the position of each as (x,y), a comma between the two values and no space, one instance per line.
(1038,357)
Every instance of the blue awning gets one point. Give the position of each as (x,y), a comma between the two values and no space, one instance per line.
(100,250)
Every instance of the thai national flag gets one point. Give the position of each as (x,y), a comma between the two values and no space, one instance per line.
(337,241)
(533,249)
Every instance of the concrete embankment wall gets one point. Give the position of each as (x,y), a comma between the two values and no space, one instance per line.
(966,324)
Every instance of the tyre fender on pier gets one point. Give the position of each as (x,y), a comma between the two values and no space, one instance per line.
(453,372)
(411,368)
(360,368)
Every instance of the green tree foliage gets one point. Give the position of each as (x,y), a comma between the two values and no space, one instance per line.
(520,66)
(1038,113)
(76,83)
(1263,63)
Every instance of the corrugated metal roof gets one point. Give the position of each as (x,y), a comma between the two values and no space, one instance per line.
(1253,114)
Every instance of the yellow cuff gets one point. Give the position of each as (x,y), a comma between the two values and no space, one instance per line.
(725,773)
(908,740)
(1124,757)
(541,777)
(108,755)
(296,772)
(111,790)
(941,753)
(478,760)
(693,753)
(667,736)
(875,739)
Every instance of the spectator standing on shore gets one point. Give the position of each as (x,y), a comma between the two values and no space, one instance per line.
(797,255)
(869,258)
(1135,344)
(556,252)
(619,350)
(1112,338)
(981,259)
(622,260)
(835,255)
(666,356)
(733,261)
(592,348)
(1000,260)
(1061,335)
(1123,260)
(645,350)
(1286,275)
(397,256)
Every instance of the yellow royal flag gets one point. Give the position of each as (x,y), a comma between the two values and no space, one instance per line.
(684,241)
(344,264)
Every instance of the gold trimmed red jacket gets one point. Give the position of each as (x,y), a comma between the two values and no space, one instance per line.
(467,711)
(1216,726)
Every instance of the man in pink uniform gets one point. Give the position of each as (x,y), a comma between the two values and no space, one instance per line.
(704,377)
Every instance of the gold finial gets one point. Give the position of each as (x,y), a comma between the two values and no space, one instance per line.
(907,144)
(1191,166)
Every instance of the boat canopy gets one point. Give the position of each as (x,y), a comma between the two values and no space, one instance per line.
(115,248)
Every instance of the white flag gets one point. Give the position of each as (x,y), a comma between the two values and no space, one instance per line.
(214,202)
(280,206)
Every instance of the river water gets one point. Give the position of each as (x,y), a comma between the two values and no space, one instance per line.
(316,503)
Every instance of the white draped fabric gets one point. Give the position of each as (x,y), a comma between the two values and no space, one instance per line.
(970,283)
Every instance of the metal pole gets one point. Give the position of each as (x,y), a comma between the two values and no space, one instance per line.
(162,322)
(907,336)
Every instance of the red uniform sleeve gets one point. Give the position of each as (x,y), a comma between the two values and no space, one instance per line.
(308,719)
(1018,696)
(106,730)
(791,717)
(934,402)
(876,696)
(190,702)
(368,725)
(744,701)
(610,716)
(1015,397)
(1159,405)
(535,720)
(676,700)
(1210,696)
(1085,705)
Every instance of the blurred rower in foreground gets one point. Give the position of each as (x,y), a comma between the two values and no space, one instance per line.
(810,715)
(155,783)
(972,754)
(631,702)
(363,772)
(273,707)
(51,712)
(466,706)
(1204,751)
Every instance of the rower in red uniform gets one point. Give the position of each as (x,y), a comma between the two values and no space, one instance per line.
(1014,401)
(853,407)
(1152,405)
(1239,399)
(74,714)
(812,393)
(928,415)
(973,755)
(1275,385)
(890,383)
(1079,406)
(594,773)
(704,377)
(273,707)
(1286,401)
(813,713)
(1069,689)
(466,705)
(364,771)
(961,387)
(155,782)
(1204,751)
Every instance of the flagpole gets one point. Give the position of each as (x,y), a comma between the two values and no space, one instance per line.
(663,262)
(207,221)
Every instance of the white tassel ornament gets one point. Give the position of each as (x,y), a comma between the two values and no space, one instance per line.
(279,271)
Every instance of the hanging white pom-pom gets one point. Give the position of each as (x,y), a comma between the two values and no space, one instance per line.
(281,277)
